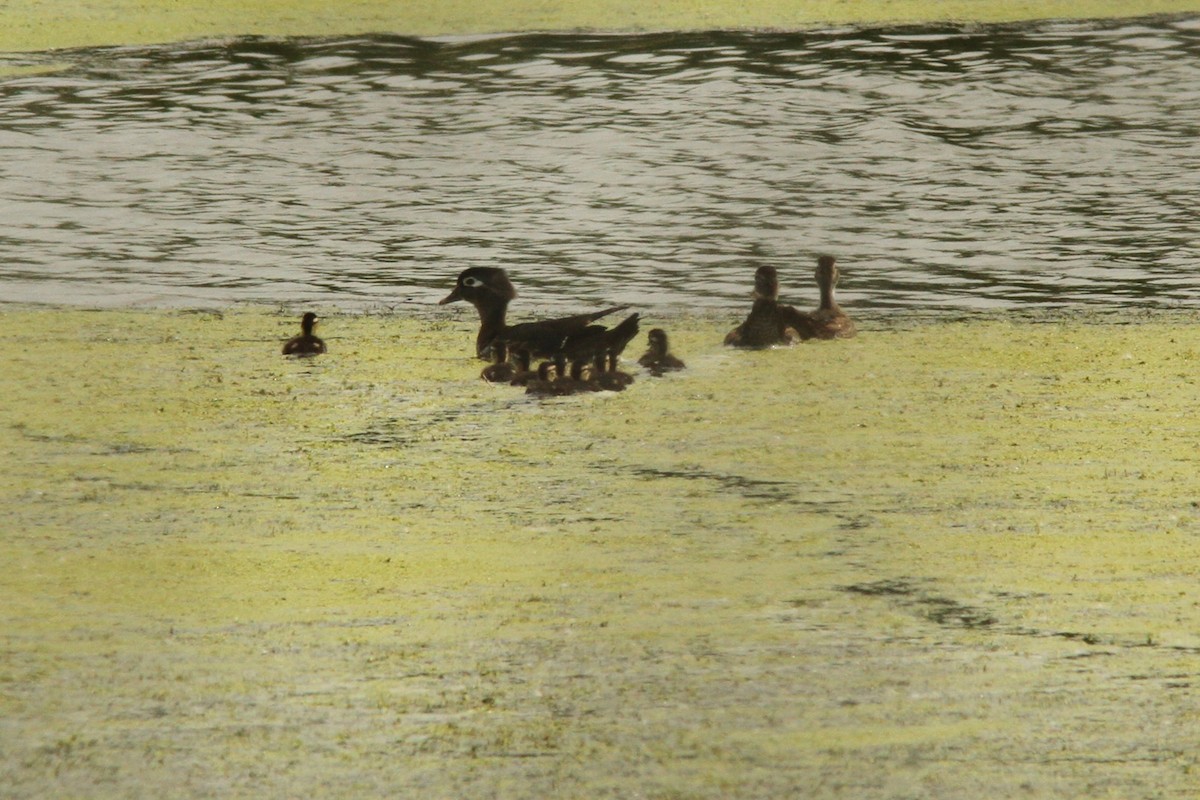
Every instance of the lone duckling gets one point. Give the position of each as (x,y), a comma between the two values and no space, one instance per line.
(657,358)
(307,343)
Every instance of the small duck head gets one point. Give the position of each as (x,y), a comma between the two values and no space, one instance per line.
(481,286)
(658,342)
(827,271)
(766,284)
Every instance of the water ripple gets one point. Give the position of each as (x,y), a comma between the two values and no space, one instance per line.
(947,168)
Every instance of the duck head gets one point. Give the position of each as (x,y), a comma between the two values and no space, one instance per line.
(658,342)
(308,322)
(827,271)
(481,286)
(766,284)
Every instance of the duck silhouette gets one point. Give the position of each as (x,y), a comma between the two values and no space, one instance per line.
(829,321)
(657,358)
(769,321)
(490,291)
(307,343)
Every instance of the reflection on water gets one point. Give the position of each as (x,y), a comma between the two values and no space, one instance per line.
(947,168)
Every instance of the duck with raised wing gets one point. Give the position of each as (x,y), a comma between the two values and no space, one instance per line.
(769,321)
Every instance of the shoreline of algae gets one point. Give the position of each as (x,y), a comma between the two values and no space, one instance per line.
(941,559)
(37,27)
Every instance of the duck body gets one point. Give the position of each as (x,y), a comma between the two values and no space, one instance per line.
(307,343)
(657,358)
(568,335)
(770,323)
(490,291)
(604,341)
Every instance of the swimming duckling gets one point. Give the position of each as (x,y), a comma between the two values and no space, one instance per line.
(607,377)
(770,322)
(575,381)
(829,321)
(658,358)
(545,383)
(500,370)
(490,291)
(522,372)
(307,343)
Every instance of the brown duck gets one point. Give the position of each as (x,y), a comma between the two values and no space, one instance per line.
(829,321)
(770,322)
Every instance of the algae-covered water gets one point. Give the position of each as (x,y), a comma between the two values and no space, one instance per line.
(950,558)
(942,559)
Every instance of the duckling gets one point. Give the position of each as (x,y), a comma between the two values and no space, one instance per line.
(575,381)
(522,372)
(490,291)
(658,358)
(829,321)
(500,370)
(307,343)
(546,382)
(770,322)
(568,379)
(607,377)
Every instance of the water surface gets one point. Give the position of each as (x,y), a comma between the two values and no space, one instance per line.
(947,168)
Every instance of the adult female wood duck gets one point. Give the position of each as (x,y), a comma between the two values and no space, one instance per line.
(307,343)
(770,322)
(658,358)
(490,291)
(829,321)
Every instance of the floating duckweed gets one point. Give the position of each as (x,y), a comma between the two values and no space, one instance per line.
(841,563)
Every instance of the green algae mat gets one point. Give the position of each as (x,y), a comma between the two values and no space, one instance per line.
(38,25)
(943,559)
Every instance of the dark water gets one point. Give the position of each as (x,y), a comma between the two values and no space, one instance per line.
(947,168)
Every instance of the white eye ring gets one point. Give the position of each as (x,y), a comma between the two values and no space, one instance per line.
(472,282)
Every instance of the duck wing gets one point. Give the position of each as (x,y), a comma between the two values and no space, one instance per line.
(804,324)
(547,337)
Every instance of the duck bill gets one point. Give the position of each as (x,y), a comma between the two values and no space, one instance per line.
(450,298)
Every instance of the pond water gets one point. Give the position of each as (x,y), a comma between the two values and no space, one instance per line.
(948,168)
